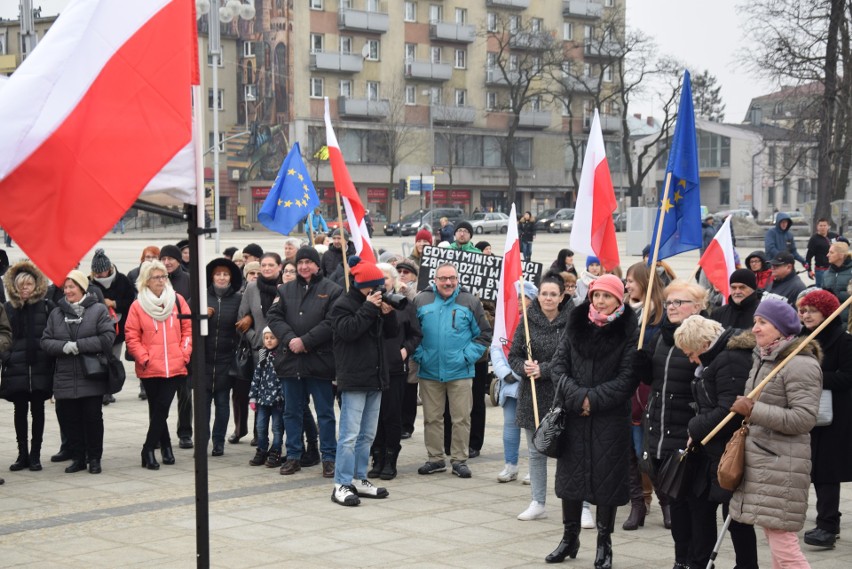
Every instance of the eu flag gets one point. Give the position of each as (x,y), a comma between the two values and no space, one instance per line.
(682,206)
(292,196)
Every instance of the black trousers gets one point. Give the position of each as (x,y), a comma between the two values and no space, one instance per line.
(389,430)
(409,407)
(161,392)
(744,540)
(82,421)
(828,505)
(29,402)
(240,403)
(479,387)
(184,398)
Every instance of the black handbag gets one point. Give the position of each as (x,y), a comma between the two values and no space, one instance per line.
(676,473)
(242,367)
(547,438)
(95,366)
(117,375)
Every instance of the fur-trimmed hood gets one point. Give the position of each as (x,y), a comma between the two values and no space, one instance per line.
(742,341)
(40,287)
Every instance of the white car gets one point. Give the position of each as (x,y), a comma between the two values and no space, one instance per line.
(489,222)
(563,222)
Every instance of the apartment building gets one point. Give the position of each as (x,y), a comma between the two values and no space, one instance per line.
(12,48)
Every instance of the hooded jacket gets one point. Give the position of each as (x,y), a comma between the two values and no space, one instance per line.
(94,333)
(222,339)
(774,490)
(779,241)
(26,368)
(160,349)
(764,275)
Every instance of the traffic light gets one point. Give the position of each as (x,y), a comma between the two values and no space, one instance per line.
(400,190)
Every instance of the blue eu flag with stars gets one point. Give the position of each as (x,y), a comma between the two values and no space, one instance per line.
(292,196)
(682,206)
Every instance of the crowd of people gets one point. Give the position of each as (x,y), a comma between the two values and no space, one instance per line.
(380,345)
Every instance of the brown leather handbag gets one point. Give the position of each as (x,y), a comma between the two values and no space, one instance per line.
(732,463)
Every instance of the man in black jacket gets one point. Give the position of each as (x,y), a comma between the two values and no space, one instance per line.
(785,281)
(739,312)
(305,363)
(360,321)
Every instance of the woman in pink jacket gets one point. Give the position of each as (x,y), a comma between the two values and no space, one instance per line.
(161,344)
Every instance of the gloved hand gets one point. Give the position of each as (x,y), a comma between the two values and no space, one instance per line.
(71,348)
(510,378)
(253,405)
(244,323)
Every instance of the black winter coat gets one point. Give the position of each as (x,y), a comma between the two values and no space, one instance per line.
(546,337)
(728,363)
(596,362)
(94,333)
(831,446)
(180,282)
(734,315)
(526,230)
(359,331)
(333,258)
(26,367)
(123,293)
(222,337)
(408,335)
(669,407)
(302,311)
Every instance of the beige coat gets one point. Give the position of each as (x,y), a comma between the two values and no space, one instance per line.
(774,491)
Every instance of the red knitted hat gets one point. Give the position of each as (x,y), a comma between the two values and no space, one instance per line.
(365,273)
(822,300)
(423,234)
(608,283)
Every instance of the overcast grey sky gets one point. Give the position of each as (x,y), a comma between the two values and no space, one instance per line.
(705,34)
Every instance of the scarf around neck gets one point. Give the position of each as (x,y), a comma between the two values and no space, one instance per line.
(268,289)
(158,308)
(600,320)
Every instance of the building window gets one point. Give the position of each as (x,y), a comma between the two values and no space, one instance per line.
(373,50)
(220,102)
(565,110)
(535,103)
(435,54)
(490,100)
(491,22)
(461,59)
(609,3)
(436,96)
(410,51)
(250,92)
(210,140)
(568,31)
(317,42)
(770,196)
(535,69)
(771,158)
(514,24)
(436,13)
(221,63)
(490,60)
(724,192)
(410,13)
(248,49)
(535,25)
(588,34)
(513,62)
(316,4)
(345,88)
(587,70)
(316,87)
(372,5)
(802,191)
(461,16)
(346,44)
(410,95)
(607,74)
(461,97)
(372,90)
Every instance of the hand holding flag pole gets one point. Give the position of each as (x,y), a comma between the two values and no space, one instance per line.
(529,348)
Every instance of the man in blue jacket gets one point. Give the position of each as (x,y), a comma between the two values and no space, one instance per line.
(780,240)
(455,335)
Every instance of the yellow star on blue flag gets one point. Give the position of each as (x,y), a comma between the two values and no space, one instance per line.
(292,196)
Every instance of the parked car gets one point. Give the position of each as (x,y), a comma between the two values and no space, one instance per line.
(720,216)
(546,218)
(411,223)
(563,221)
(489,222)
(620,221)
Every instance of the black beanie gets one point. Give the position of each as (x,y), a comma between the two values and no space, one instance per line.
(744,276)
(308,253)
(170,251)
(254,250)
(100,262)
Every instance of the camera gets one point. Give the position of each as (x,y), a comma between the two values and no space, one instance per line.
(396,301)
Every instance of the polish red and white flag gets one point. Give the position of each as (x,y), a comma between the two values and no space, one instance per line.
(351,200)
(718,260)
(100,111)
(506,315)
(593,230)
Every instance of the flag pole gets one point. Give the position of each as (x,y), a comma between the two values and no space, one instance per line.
(311,228)
(756,391)
(345,243)
(529,348)
(655,253)
(695,272)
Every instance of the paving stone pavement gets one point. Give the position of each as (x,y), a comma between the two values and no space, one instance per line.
(129,516)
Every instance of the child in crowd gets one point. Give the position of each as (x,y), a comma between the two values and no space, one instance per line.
(266,399)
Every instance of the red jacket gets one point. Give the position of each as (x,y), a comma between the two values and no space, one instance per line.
(160,349)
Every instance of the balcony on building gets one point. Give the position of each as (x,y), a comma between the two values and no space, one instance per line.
(494,76)
(534,119)
(449,31)
(362,21)
(573,84)
(362,108)
(536,41)
(604,50)
(445,114)
(428,71)
(586,9)
(510,4)
(609,123)
(336,62)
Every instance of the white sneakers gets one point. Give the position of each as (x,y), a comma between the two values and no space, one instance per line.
(535,511)
(509,473)
(526,480)
(588,520)
(343,495)
(366,489)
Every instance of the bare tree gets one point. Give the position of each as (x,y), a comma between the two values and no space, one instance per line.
(399,136)
(707,98)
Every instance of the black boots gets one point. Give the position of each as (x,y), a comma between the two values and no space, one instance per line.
(23,460)
(149,461)
(35,457)
(570,544)
(389,468)
(168,454)
(605,524)
(311,456)
(378,463)
(636,519)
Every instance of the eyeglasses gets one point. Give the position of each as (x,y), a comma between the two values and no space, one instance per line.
(677,303)
(254,273)
(462,229)
(446,279)
(570,286)
(158,278)
(289,271)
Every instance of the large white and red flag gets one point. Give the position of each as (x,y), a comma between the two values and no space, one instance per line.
(351,200)
(718,260)
(506,314)
(593,231)
(100,111)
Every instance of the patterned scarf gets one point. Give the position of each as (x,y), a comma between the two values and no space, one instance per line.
(601,320)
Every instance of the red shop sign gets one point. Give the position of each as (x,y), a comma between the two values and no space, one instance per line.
(460,195)
(377,194)
(259,193)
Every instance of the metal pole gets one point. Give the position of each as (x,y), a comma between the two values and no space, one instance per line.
(421,202)
(214,48)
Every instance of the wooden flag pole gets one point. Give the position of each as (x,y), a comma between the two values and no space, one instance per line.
(695,272)
(344,242)
(311,228)
(529,348)
(653,266)
(756,391)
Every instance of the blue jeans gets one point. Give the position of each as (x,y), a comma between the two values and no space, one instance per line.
(538,470)
(221,399)
(511,432)
(266,414)
(359,418)
(295,391)
(637,433)
(526,250)
(819,275)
